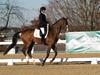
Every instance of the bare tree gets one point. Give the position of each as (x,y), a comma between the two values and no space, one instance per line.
(10,13)
(78,12)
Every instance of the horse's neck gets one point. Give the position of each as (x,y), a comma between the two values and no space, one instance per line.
(56,28)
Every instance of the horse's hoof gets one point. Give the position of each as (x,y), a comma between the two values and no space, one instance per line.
(42,64)
(27,62)
(33,60)
(50,62)
(4,53)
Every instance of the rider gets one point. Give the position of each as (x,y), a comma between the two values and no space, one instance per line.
(43,23)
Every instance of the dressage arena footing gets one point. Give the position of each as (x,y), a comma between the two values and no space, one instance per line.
(93,60)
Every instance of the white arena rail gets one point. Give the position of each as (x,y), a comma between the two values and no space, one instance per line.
(57,60)
(9,42)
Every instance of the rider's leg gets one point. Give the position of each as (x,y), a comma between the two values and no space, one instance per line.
(43,39)
(42,34)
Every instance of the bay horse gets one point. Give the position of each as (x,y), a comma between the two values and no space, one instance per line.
(29,40)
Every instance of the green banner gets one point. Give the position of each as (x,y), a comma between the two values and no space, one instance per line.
(83,42)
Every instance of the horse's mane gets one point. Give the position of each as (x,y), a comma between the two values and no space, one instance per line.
(57,21)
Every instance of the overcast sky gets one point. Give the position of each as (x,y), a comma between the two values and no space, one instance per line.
(33,6)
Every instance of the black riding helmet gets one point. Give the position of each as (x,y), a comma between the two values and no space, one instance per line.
(42,8)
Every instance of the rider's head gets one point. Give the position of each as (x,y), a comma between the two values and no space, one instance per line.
(42,9)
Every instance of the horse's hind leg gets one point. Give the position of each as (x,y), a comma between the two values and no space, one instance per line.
(14,41)
(55,50)
(24,50)
(30,49)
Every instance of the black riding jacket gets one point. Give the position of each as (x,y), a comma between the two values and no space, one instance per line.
(43,21)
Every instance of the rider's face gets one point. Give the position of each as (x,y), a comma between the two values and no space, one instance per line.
(44,11)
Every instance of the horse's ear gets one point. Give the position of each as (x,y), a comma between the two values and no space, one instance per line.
(65,18)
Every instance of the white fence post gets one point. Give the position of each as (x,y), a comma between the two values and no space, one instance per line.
(94,61)
(10,62)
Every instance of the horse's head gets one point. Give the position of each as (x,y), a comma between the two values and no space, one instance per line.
(64,23)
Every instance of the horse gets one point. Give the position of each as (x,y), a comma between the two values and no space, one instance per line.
(50,41)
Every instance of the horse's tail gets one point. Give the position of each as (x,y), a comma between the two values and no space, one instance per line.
(14,41)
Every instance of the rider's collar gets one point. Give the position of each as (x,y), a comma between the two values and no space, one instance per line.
(43,13)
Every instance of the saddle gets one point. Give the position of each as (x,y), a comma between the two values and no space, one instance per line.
(38,32)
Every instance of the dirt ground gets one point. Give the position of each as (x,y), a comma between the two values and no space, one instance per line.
(60,55)
(51,69)
(80,69)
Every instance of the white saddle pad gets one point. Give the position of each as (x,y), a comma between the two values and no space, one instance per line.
(37,33)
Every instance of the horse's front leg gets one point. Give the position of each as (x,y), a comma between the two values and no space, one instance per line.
(55,50)
(24,50)
(48,53)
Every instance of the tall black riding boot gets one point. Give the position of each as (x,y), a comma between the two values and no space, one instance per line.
(43,40)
